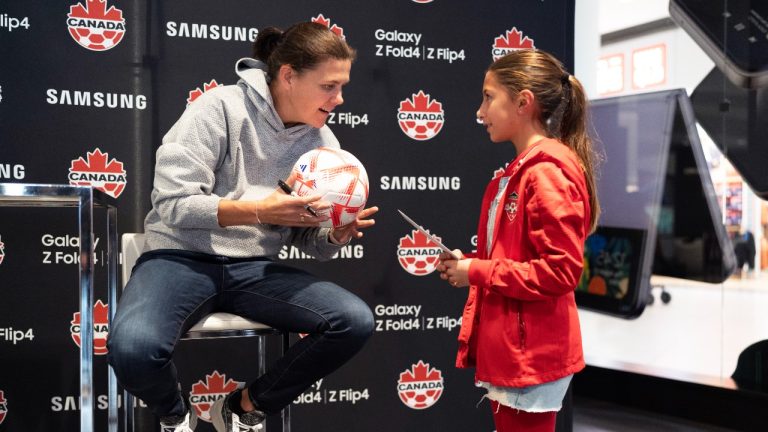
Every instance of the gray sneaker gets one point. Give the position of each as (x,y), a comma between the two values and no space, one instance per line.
(185,423)
(224,420)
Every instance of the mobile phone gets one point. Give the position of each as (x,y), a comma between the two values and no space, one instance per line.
(734,34)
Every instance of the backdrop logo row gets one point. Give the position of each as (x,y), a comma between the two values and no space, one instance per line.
(418,387)
(98,28)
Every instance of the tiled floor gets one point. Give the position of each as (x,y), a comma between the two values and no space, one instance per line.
(697,336)
(598,416)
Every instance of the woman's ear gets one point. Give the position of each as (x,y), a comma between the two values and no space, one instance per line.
(286,74)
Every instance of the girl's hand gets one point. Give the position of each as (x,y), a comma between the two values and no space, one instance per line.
(456,272)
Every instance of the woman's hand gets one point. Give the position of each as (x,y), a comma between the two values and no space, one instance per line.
(280,208)
(342,235)
(456,272)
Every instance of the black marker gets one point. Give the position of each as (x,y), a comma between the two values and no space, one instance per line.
(287,189)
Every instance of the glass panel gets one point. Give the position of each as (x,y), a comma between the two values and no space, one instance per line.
(692,177)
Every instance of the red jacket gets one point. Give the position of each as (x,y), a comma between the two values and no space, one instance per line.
(520,325)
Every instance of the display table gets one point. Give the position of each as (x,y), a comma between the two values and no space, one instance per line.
(85,199)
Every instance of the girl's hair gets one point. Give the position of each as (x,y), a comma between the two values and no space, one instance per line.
(302,46)
(562,103)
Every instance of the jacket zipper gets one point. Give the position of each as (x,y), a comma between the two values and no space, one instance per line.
(521,326)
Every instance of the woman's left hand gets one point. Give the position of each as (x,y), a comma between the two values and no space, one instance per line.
(342,235)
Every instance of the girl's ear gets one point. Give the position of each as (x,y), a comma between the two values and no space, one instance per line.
(525,100)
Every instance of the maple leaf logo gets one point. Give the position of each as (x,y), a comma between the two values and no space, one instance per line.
(108,177)
(2,251)
(418,254)
(421,102)
(320,19)
(100,328)
(204,394)
(418,239)
(421,386)
(512,41)
(96,9)
(421,372)
(196,93)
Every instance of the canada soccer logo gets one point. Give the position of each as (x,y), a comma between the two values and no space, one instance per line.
(417,254)
(108,177)
(204,394)
(196,93)
(420,117)
(512,41)
(2,250)
(320,19)
(100,328)
(3,407)
(94,27)
(420,386)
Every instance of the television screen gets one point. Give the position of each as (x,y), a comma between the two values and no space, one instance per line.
(612,276)
(660,213)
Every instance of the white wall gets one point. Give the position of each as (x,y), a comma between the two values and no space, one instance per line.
(620,14)
(587,44)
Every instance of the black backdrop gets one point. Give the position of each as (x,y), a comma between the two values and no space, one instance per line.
(71,113)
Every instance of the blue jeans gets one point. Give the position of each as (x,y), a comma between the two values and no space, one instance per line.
(170,290)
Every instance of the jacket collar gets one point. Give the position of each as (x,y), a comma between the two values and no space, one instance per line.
(510,171)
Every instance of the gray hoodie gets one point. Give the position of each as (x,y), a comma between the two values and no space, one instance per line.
(229,144)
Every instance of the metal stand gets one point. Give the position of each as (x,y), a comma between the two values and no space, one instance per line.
(84,198)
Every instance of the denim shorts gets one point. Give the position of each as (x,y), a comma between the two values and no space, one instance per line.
(538,398)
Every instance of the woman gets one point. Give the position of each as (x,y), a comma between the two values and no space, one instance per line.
(218,219)
(520,327)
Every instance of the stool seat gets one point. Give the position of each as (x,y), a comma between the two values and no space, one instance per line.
(223,324)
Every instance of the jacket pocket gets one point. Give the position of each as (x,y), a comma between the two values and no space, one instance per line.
(521,327)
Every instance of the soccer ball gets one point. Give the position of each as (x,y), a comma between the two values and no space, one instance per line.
(95,39)
(338,177)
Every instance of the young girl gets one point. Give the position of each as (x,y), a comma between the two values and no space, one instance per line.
(520,327)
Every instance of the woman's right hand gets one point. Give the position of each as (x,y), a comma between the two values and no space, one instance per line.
(280,208)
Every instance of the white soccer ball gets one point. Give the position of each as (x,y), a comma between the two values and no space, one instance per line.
(336,175)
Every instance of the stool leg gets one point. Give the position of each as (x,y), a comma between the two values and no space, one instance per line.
(112,422)
(262,356)
(286,414)
(129,405)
